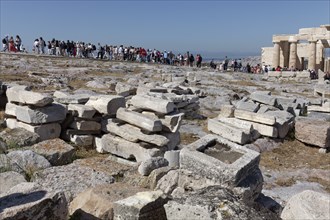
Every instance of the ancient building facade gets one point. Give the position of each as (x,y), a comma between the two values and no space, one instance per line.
(305,50)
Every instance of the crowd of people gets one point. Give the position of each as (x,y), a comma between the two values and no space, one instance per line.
(11,45)
(79,49)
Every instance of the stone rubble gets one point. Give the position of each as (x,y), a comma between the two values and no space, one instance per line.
(213,177)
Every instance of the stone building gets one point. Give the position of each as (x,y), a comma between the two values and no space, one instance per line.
(305,50)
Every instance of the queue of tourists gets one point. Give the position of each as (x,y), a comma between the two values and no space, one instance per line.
(79,49)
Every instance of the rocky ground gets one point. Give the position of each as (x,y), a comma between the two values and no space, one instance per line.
(288,166)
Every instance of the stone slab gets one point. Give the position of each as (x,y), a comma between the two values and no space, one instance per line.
(45,131)
(123,148)
(263,98)
(56,151)
(143,205)
(139,120)
(229,132)
(82,140)
(312,131)
(86,125)
(20,94)
(106,104)
(82,111)
(255,117)
(51,113)
(134,134)
(151,103)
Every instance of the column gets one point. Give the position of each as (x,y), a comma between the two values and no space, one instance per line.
(293,54)
(312,55)
(276,54)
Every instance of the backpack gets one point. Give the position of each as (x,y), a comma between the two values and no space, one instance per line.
(4,41)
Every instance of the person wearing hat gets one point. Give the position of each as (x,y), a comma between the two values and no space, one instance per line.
(5,43)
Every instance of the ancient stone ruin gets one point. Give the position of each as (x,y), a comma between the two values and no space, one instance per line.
(164,143)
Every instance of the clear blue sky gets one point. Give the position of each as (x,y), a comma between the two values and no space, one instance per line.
(214,28)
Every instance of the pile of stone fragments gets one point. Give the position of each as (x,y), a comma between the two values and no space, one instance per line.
(216,177)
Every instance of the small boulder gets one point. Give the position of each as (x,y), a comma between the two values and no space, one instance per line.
(151,164)
(307,205)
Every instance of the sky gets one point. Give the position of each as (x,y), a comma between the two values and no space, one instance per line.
(213,28)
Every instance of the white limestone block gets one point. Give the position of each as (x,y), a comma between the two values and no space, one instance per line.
(255,117)
(20,94)
(139,120)
(51,113)
(152,103)
(106,104)
(229,132)
(82,111)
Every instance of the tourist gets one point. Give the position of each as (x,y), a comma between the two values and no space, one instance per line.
(248,68)
(12,47)
(5,42)
(191,60)
(18,43)
(225,66)
(42,45)
(199,61)
(213,65)
(313,74)
(278,69)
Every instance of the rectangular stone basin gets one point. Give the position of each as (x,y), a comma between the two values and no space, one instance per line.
(218,160)
(222,152)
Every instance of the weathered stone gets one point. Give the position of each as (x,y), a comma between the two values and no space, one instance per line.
(47,114)
(72,99)
(283,120)
(125,89)
(250,188)
(174,139)
(247,106)
(307,205)
(27,162)
(82,111)
(139,120)
(319,115)
(19,94)
(156,175)
(45,131)
(312,131)
(134,134)
(213,202)
(143,205)
(205,158)
(126,149)
(247,126)
(72,179)
(229,132)
(315,108)
(97,202)
(29,201)
(227,111)
(10,179)
(151,164)
(152,103)
(10,109)
(82,140)
(173,158)
(255,117)
(56,151)
(265,130)
(168,182)
(19,137)
(106,104)
(263,97)
(172,122)
(145,90)
(85,125)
